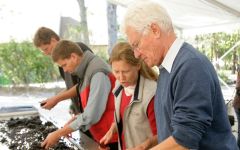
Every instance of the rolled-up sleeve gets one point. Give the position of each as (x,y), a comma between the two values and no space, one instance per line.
(192,105)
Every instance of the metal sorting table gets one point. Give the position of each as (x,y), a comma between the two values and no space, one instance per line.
(84,143)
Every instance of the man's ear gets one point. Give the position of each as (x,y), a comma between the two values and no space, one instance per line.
(73,56)
(156,30)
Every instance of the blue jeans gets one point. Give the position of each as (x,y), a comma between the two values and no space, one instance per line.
(237,111)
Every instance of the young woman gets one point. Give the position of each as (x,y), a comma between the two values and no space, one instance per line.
(134,93)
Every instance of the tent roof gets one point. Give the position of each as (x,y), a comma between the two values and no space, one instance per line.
(192,14)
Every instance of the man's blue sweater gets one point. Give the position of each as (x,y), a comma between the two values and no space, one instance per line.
(189,104)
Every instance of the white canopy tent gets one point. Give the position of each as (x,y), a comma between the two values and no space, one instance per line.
(203,15)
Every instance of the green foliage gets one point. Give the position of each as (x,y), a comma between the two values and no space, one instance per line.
(4,80)
(103,54)
(101,51)
(224,76)
(73,33)
(23,63)
(214,45)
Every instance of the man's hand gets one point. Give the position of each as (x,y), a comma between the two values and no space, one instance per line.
(48,103)
(51,140)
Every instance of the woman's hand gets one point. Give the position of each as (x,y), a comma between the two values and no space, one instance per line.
(107,138)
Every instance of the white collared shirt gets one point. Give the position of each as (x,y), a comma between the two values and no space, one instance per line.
(129,90)
(171,54)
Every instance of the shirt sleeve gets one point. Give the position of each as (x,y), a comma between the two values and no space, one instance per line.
(100,87)
(151,116)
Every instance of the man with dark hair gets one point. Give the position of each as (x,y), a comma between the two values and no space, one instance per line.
(95,86)
(46,39)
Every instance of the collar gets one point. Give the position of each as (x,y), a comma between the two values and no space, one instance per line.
(129,91)
(119,88)
(171,55)
(81,68)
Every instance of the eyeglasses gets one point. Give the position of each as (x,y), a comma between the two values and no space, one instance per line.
(135,46)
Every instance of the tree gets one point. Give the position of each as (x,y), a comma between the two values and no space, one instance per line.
(215,45)
(83,22)
(23,63)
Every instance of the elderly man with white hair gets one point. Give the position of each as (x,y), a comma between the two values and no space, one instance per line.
(189,105)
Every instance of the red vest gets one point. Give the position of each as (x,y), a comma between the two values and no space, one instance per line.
(99,129)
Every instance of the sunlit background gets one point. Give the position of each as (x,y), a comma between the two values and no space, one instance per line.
(19,19)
